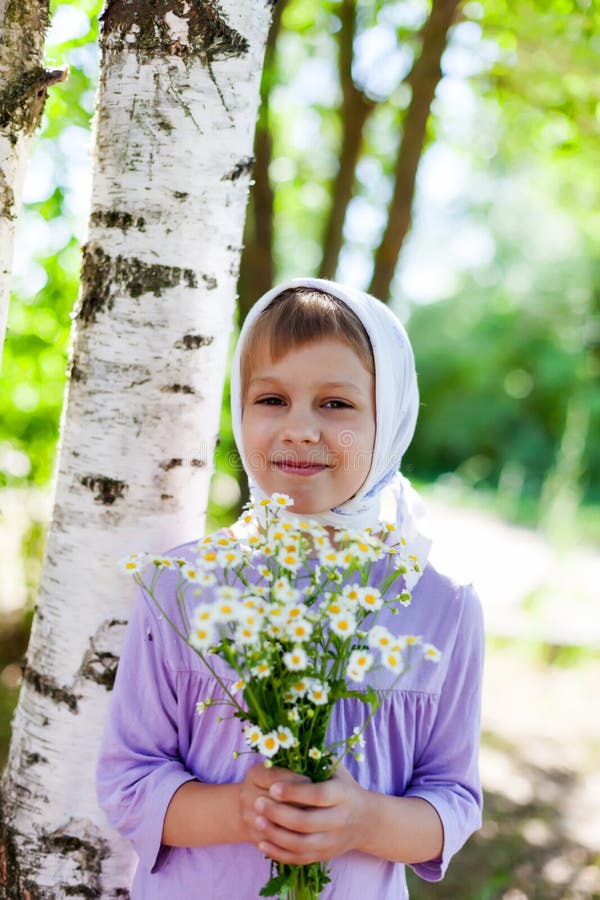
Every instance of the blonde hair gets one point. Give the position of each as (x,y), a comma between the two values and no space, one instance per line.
(298,316)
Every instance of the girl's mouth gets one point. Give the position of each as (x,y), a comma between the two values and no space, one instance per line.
(297,468)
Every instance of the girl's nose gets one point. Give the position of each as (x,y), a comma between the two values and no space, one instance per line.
(300,427)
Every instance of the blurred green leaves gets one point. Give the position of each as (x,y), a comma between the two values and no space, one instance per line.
(46,283)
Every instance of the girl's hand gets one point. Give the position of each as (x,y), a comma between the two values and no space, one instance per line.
(299,822)
(256,786)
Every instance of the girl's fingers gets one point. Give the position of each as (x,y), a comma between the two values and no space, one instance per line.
(290,846)
(325,793)
(296,818)
(264,778)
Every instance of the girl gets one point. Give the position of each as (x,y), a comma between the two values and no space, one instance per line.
(324,405)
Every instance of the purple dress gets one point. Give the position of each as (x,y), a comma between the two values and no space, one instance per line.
(422,743)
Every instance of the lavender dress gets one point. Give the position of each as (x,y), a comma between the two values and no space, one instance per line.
(423,743)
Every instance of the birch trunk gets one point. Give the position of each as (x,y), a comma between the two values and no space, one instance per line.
(23,86)
(177,104)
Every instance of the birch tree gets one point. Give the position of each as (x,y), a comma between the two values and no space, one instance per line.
(177,103)
(23,86)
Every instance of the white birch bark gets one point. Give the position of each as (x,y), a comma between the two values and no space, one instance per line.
(23,85)
(175,118)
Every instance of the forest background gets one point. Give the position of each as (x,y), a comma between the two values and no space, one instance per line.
(497,281)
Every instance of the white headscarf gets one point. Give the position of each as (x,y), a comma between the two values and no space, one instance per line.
(397,405)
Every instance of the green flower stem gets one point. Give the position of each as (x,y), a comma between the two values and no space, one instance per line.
(185,638)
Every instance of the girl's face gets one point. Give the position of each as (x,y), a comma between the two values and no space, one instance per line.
(308,424)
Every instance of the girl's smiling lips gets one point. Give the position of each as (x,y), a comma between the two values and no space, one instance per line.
(295,467)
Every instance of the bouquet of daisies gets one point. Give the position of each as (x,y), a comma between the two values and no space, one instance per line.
(294,614)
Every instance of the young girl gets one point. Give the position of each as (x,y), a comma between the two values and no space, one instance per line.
(324,404)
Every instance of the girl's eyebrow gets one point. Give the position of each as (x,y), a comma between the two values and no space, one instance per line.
(328,385)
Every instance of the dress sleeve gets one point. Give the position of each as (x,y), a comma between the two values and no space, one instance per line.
(139,767)
(447,772)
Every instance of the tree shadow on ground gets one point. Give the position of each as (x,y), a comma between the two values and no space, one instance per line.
(524,850)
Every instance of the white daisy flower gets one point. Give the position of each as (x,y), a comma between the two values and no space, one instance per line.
(262,670)
(343,624)
(289,559)
(207,559)
(269,744)
(317,692)
(351,593)
(431,653)
(285,737)
(206,579)
(283,591)
(253,735)
(280,501)
(246,635)
(328,557)
(315,753)
(228,557)
(133,563)
(203,614)
(226,610)
(202,636)
(299,688)
(294,714)
(411,640)
(392,660)
(380,638)
(361,659)
(295,660)
(191,572)
(237,686)
(370,598)
(299,629)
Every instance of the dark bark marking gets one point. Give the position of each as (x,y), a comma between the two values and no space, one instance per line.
(243,167)
(177,389)
(22,100)
(47,687)
(74,372)
(210,281)
(100,667)
(7,199)
(32,759)
(171,464)
(103,276)
(114,219)
(180,195)
(209,36)
(80,890)
(197,463)
(108,489)
(193,342)
(165,497)
(89,857)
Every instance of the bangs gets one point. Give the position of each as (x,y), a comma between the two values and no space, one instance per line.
(297,317)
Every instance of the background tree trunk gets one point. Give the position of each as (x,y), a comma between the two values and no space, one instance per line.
(423,80)
(355,110)
(23,86)
(177,104)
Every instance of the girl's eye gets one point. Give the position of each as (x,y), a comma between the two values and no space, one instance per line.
(270,401)
(337,404)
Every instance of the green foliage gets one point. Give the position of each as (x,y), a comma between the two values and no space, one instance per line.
(35,353)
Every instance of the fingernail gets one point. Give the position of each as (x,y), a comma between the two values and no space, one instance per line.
(259,804)
(276,791)
(260,823)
